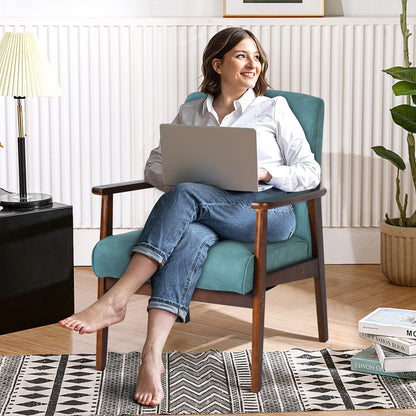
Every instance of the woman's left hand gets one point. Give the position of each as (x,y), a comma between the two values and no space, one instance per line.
(264,175)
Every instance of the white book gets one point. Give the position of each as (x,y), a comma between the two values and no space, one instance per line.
(394,361)
(389,321)
(404,345)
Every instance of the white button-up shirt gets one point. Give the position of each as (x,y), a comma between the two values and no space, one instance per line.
(282,148)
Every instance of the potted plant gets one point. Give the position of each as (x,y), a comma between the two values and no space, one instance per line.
(398,235)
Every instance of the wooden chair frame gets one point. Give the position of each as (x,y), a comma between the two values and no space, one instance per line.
(313,268)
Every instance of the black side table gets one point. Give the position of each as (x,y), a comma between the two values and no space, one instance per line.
(36,267)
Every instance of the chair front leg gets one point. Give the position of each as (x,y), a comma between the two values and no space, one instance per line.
(102,335)
(259,300)
(106,229)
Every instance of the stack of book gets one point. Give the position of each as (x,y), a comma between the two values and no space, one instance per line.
(393,353)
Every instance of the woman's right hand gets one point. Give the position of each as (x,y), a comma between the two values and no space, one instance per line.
(264,175)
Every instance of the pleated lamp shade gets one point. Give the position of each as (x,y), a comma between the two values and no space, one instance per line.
(24,69)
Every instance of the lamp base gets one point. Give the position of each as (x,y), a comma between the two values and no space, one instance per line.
(32,201)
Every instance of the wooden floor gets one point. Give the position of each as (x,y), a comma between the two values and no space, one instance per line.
(352,292)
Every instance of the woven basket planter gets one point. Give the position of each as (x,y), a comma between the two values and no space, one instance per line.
(398,254)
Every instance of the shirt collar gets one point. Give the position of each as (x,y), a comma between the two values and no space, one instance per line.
(246,99)
(242,103)
(208,104)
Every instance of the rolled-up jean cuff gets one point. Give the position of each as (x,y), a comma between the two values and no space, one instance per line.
(171,307)
(150,252)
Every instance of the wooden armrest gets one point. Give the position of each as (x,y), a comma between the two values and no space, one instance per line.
(107,192)
(289,199)
(116,188)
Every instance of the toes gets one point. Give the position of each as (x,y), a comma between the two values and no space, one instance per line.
(68,322)
(148,399)
(142,399)
(64,323)
(78,326)
(75,325)
(154,402)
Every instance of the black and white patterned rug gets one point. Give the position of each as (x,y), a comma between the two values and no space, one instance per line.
(202,383)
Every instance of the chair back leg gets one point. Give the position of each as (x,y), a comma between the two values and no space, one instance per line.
(315,217)
(321,312)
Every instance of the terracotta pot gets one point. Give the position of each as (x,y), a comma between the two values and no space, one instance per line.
(398,254)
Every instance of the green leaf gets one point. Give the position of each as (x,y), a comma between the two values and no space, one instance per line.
(401,73)
(391,156)
(405,116)
(404,88)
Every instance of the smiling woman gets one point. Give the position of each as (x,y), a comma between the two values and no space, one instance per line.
(190,218)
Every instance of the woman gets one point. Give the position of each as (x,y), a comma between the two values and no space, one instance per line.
(190,218)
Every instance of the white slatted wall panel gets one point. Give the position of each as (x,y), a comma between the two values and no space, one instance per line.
(121,80)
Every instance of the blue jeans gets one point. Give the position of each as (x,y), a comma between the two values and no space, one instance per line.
(186,222)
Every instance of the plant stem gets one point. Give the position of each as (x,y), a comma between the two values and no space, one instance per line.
(410,138)
(402,209)
(406,35)
(407,64)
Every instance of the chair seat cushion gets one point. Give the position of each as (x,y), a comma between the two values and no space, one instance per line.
(229,266)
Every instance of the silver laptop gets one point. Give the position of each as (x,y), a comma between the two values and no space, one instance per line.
(225,157)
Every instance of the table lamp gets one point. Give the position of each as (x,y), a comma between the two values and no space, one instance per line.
(24,72)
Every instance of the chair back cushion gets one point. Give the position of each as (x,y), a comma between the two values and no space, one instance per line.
(309,110)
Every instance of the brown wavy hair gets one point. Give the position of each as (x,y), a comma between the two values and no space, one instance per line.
(217,47)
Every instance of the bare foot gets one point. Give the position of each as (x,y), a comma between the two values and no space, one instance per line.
(149,390)
(104,312)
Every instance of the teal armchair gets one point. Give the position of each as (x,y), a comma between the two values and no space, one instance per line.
(237,273)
